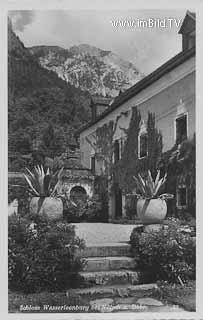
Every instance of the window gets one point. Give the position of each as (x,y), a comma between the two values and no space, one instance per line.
(143,145)
(181,197)
(116,151)
(181,128)
(92,164)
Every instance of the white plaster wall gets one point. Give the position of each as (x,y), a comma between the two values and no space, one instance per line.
(163,98)
(164,82)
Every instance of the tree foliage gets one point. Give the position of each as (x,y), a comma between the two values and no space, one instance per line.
(42,255)
(38,97)
(130,164)
(167,254)
(180,164)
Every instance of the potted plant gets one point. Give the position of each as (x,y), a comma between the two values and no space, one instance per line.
(151,208)
(46,191)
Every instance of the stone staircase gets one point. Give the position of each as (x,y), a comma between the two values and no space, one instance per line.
(111,282)
(108,264)
(110,272)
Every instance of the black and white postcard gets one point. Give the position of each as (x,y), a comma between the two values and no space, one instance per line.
(99,159)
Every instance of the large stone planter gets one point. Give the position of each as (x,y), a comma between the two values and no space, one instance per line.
(51,208)
(151,210)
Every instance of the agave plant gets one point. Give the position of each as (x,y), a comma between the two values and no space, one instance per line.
(41,183)
(149,188)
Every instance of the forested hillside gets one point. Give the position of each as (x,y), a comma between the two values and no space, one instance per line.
(39,101)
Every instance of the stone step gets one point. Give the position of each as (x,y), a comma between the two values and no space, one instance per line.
(112,277)
(106,249)
(137,291)
(109,263)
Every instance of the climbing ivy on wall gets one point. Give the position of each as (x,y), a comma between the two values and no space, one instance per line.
(122,172)
(180,165)
(130,164)
(104,146)
(179,162)
(155,144)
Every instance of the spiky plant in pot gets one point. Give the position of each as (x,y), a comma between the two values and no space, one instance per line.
(46,190)
(151,207)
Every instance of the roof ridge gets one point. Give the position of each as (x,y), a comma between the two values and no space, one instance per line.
(172,63)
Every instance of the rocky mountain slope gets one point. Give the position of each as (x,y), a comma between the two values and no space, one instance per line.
(89,68)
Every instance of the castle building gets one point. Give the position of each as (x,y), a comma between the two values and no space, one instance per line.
(168,92)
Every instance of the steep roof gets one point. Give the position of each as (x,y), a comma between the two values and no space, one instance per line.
(144,83)
(188,24)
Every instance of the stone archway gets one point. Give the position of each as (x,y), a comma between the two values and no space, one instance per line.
(78,195)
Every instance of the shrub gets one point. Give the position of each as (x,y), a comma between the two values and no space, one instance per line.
(89,211)
(73,212)
(42,255)
(180,164)
(167,254)
(21,193)
(94,212)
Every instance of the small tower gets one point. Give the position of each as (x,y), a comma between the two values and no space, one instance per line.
(187,30)
(99,105)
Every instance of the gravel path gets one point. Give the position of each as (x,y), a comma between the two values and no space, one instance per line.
(103,233)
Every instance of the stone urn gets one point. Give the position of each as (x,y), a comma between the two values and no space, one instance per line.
(151,210)
(49,207)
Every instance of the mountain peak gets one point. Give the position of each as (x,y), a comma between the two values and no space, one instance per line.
(85,48)
(89,68)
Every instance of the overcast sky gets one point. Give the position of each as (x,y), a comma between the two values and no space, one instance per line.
(147,48)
